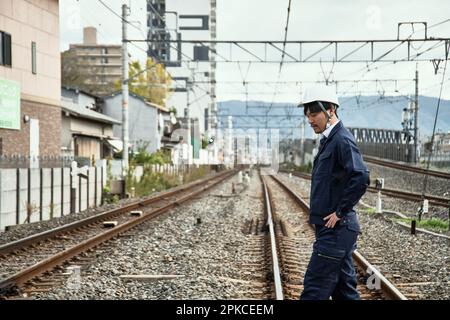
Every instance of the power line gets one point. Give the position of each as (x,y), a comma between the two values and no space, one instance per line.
(123,20)
(282,58)
(129,23)
(118,15)
(285,35)
(150,5)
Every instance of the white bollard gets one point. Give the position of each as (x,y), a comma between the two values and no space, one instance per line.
(378,207)
(425,206)
(290,175)
(74,280)
(240,177)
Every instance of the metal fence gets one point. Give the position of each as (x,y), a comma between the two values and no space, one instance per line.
(392,151)
(438,160)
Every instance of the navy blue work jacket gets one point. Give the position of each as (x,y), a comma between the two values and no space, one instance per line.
(339,176)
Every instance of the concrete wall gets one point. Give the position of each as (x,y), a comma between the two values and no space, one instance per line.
(45,210)
(143,121)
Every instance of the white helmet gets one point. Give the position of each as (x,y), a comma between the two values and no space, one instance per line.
(319,93)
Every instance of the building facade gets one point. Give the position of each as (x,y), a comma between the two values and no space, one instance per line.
(443,142)
(170,20)
(146,120)
(85,134)
(30,78)
(91,66)
(157,31)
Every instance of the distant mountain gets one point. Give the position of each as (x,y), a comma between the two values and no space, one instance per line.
(361,112)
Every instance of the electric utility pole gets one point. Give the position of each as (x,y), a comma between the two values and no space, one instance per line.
(125,92)
(416,116)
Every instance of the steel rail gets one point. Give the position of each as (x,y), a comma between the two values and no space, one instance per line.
(433,200)
(33,239)
(273,244)
(48,264)
(405,167)
(388,289)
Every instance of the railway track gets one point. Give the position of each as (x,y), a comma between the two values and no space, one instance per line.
(25,260)
(394,193)
(283,239)
(405,167)
(416,264)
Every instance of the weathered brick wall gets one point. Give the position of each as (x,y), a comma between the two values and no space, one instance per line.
(18,142)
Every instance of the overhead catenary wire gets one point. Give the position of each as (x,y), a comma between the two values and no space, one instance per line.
(285,35)
(287,20)
(367,67)
(286,29)
(244,83)
(368,70)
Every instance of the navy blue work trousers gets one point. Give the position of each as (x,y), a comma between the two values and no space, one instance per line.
(331,272)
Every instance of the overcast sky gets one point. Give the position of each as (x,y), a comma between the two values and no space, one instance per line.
(265,20)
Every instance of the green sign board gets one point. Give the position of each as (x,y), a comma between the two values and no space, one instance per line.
(9,104)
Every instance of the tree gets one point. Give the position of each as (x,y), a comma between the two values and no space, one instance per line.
(152,83)
(74,75)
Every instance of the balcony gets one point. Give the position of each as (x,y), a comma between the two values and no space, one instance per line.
(100,55)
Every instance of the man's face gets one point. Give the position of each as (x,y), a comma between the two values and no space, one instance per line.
(317,121)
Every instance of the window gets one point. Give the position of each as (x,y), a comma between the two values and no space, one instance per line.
(33,57)
(1,49)
(5,49)
(104,60)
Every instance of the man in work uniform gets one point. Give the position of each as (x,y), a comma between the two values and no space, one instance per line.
(339,180)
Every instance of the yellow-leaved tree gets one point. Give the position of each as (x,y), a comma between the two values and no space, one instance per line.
(152,83)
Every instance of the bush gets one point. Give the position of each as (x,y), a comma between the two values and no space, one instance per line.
(196,173)
(154,182)
(304,168)
(112,199)
(142,157)
(433,224)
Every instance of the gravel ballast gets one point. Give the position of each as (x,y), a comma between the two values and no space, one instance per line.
(201,241)
(419,258)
